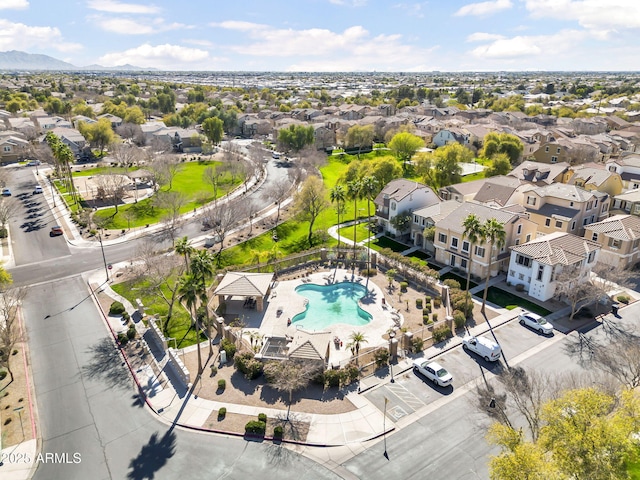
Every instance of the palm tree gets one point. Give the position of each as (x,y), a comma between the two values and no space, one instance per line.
(356,339)
(369,190)
(473,232)
(354,189)
(202,268)
(189,288)
(182,247)
(338,195)
(494,234)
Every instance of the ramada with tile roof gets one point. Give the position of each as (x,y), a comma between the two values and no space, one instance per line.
(537,264)
(619,238)
(238,284)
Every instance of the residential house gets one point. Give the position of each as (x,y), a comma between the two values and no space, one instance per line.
(13,147)
(537,264)
(595,177)
(82,118)
(47,123)
(554,151)
(401,196)
(537,173)
(498,191)
(467,191)
(23,125)
(627,202)
(149,129)
(628,167)
(114,119)
(619,240)
(186,140)
(453,249)
(323,137)
(450,135)
(427,217)
(72,138)
(564,208)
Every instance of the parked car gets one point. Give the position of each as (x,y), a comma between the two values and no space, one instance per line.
(433,371)
(482,346)
(56,230)
(6,192)
(37,189)
(535,321)
(275,155)
(33,163)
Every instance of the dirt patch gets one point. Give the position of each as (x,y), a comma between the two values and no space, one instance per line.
(292,429)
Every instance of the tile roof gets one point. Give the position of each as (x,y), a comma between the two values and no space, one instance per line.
(400,188)
(454,220)
(550,210)
(563,191)
(621,227)
(438,211)
(244,284)
(557,249)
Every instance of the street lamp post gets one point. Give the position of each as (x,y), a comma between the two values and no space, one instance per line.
(391,337)
(104,258)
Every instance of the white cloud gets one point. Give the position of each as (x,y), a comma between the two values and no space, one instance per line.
(113,6)
(412,9)
(600,19)
(528,48)
(126,26)
(351,3)
(484,8)
(167,57)
(13,4)
(484,37)
(319,49)
(18,36)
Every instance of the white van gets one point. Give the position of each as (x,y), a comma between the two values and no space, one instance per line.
(484,347)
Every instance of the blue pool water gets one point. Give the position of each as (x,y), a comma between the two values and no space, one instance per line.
(330,304)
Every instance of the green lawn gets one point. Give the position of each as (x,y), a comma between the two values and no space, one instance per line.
(510,301)
(386,242)
(459,278)
(473,176)
(188,182)
(89,172)
(362,232)
(180,324)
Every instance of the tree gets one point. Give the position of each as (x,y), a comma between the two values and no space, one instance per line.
(203,269)
(577,290)
(310,202)
(369,192)
(357,339)
(447,170)
(8,209)
(126,154)
(212,177)
(277,192)
(172,202)
(402,221)
(359,136)
(110,188)
(190,289)
(354,192)
(164,169)
(182,247)
(473,233)
(338,195)
(404,145)
(99,134)
(213,128)
(424,162)
(500,165)
(296,137)
(506,143)
(289,376)
(10,331)
(222,217)
(494,234)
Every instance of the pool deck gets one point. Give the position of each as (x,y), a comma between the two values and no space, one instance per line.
(284,303)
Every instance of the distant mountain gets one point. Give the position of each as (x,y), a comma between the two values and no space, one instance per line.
(15,60)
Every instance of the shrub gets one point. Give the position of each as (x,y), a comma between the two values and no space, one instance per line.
(248,365)
(437,302)
(381,357)
(222,384)
(452,284)
(131,332)
(123,339)
(425,319)
(403,286)
(623,299)
(459,319)
(126,317)
(332,378)
(214,370)
(417,344)
(3,375)
(116,308)
(427,308)
(435,317)
(278,432)
(520,287)
(228,347)
(352,372)
(4,233)
(256,427)
(427,300)
(368,272)
(222,412)
(418,303)
(262,417)
(441,333)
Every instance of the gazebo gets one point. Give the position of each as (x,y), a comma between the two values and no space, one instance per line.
(247,285)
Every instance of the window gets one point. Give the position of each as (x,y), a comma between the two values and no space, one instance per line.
(558,150)
(547,222)
(531,200)
(7,148)
(571,204)
(479,251)
(522,260)
(393,205)
(592,256)
(415,219)
(554,159)
(589,205)
(512,273)
(546,149)
(635,243)
(519,230)
(573,225)
(528,238)
(615,243)
(558,224)
(463,263)
(452,261)
(612,168)
(465,247)
(585,222)
(633,187)
(442,238)
(540,273)
(517,241)
(594,237)
(454,243)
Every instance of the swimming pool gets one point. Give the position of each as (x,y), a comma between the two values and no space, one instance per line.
(331,304)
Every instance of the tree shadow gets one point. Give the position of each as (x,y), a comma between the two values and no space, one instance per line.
(152,456)
(244,385)
(106,365)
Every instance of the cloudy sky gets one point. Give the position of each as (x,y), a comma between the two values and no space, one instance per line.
(329,35)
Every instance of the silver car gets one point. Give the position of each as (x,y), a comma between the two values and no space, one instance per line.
(535,321)
(433,371)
